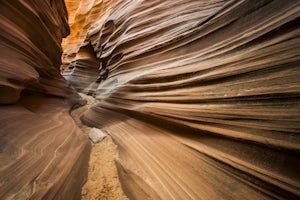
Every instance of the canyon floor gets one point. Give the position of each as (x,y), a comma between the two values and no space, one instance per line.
(102,181)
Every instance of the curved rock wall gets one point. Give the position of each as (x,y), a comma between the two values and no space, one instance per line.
(82,72)
(43,154)
(82,15)
(202,97)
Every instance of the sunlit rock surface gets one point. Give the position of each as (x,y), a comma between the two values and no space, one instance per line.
(43,154)
(202,97)
(82,15)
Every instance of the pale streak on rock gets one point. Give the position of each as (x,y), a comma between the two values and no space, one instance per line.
(202,97)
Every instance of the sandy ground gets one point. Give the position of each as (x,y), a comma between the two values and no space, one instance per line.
(102,182)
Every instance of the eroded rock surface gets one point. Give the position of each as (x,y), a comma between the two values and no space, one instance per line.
(43,154)
(202,97)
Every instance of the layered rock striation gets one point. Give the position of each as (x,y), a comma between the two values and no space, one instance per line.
(202,97)
(43,154)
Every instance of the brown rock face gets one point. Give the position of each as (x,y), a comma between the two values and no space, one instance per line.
(202,97)
(82,71)
(43,154)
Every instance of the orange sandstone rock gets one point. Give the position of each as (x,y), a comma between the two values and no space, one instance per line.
(202,97)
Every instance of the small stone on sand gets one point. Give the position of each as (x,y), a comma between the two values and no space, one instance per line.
(96,135)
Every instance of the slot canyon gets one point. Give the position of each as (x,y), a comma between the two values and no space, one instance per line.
(199,99)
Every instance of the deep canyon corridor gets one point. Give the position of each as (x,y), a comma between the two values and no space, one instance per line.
(194,99)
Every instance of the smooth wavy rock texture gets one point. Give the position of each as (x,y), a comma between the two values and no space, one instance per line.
(43,154)
(201,97)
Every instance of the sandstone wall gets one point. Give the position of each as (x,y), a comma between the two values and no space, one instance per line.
(43,154)
(202,97)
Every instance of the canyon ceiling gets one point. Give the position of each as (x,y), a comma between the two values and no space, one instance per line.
(202,97)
